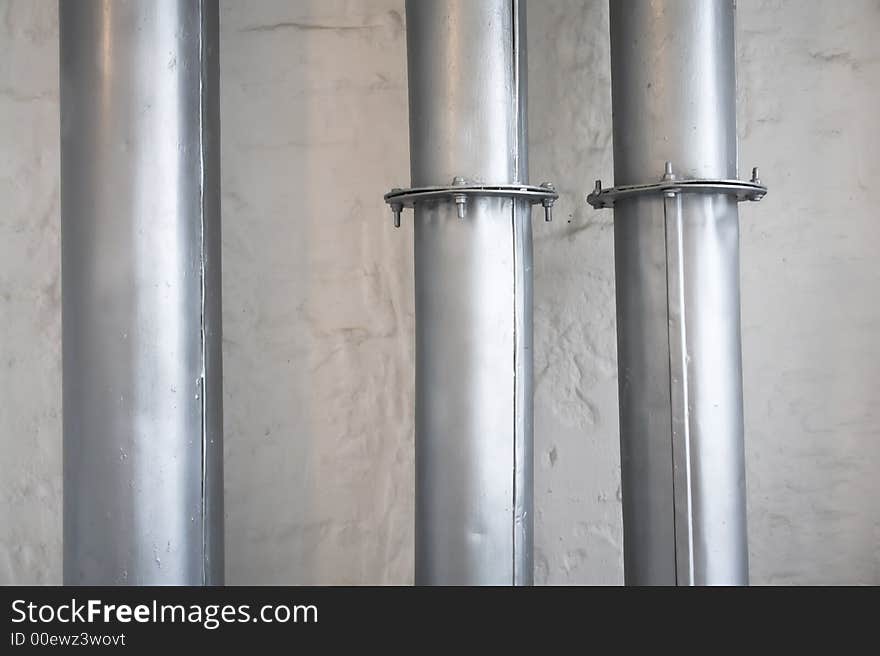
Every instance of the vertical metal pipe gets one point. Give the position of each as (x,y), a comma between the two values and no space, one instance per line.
(677,280)
(473,294)
(140,216)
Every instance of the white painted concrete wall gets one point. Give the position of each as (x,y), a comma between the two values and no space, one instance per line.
(318,309)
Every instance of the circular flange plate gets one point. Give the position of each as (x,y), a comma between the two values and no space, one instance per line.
(602,198)
(409,197)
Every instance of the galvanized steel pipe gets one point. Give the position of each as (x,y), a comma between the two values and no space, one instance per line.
(677,281)
(140,214)
(473,288)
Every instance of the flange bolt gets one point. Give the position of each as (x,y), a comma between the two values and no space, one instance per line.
(396,208)
(460,199)
(548,202)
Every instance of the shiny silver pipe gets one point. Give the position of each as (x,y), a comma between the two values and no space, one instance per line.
(473,287)
(677,281)
(140,218)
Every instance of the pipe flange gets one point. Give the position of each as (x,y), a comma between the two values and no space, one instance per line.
(670,186)
(461,191)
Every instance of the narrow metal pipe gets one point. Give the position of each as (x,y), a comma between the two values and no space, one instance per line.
(140,217)
(473,287)
(677,281)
